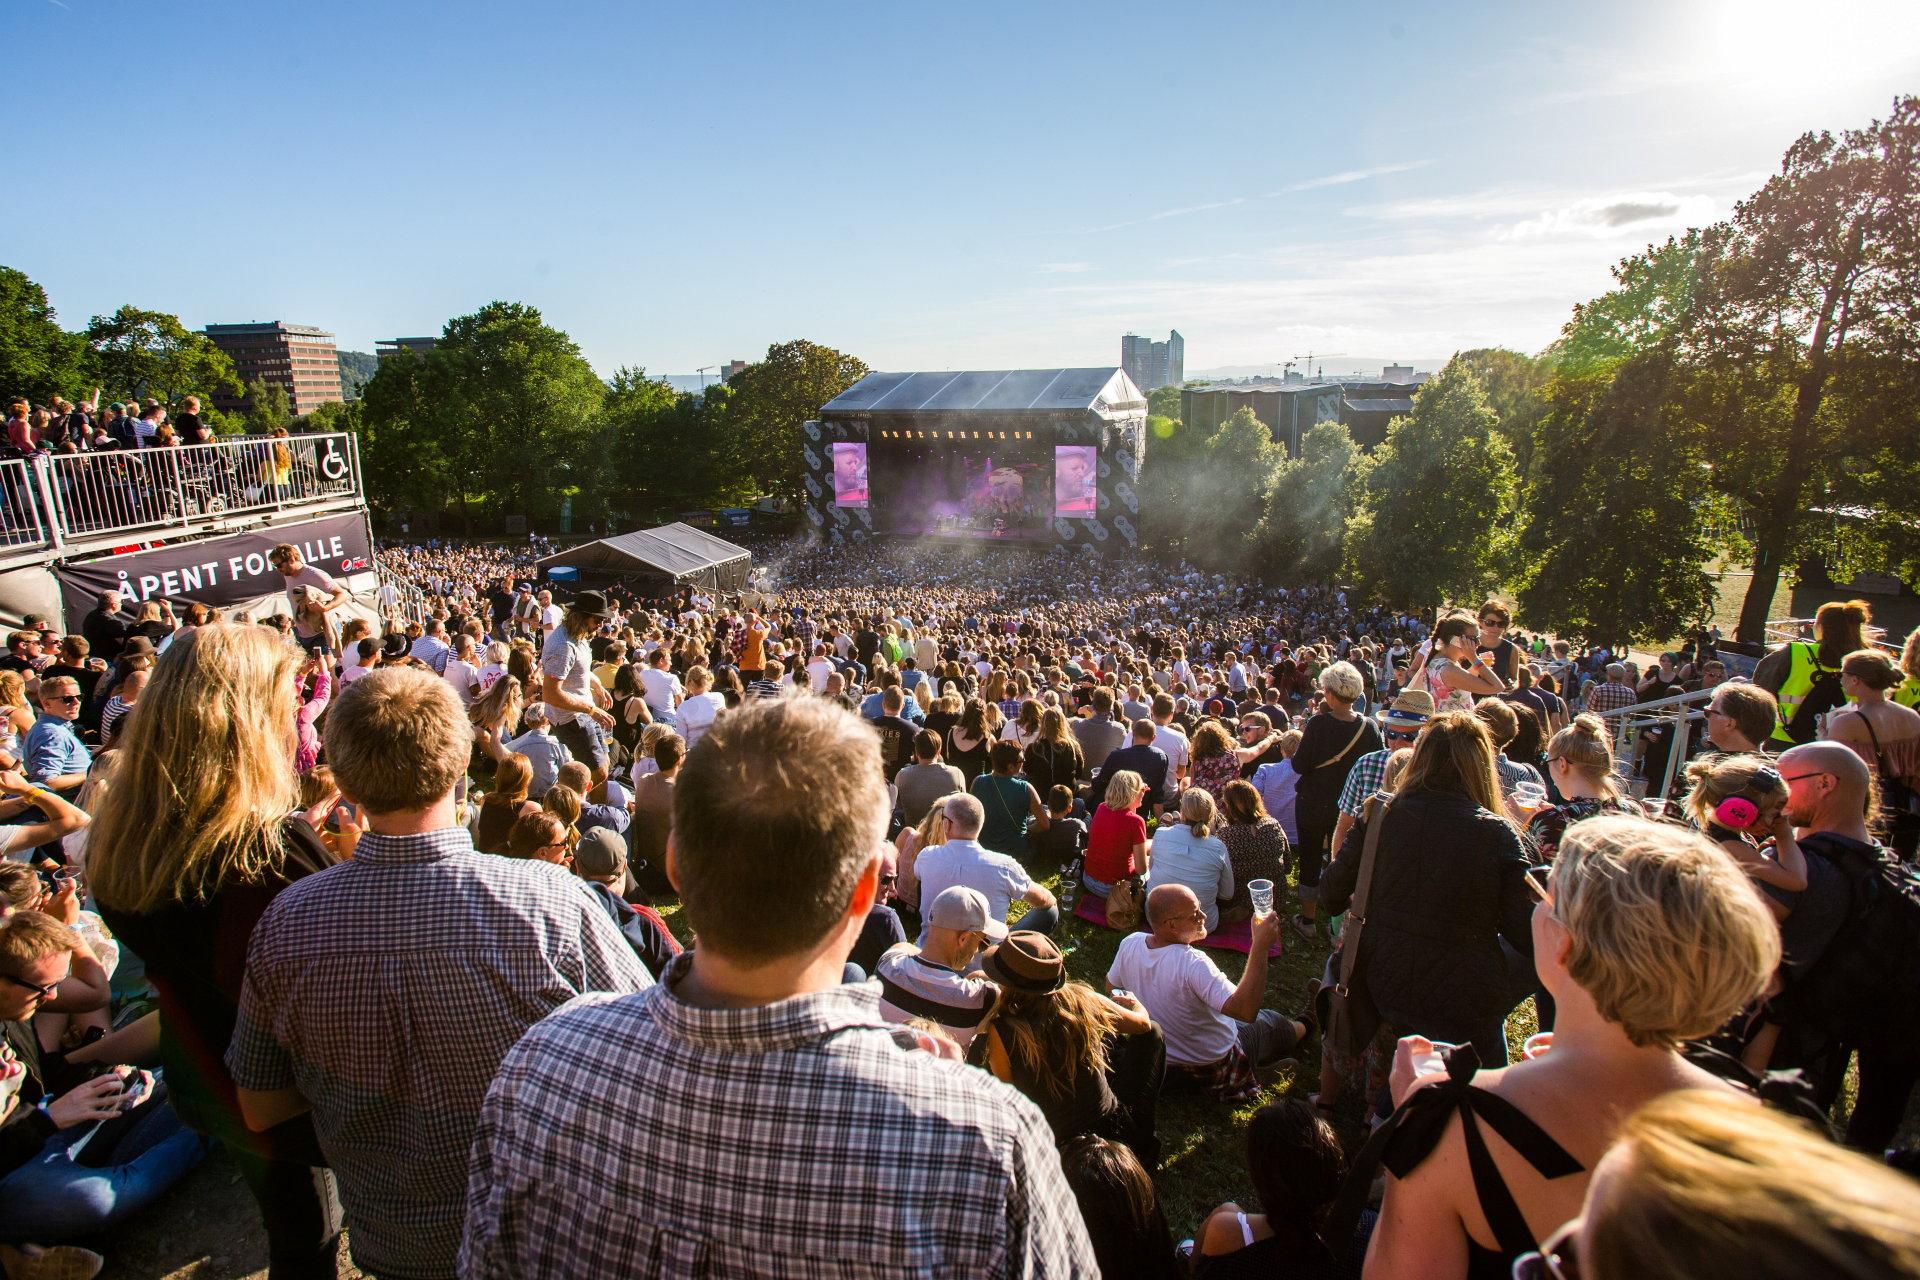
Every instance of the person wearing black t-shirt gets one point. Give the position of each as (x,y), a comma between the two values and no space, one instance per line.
(1502,654)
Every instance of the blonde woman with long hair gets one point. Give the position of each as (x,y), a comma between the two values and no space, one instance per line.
(495,716)
(16,717)
(909,843)
(187,848)
(1448,889)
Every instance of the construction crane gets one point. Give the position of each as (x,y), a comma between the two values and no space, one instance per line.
(1306,361)
(703,371)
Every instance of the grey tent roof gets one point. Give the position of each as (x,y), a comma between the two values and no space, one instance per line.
(677,550)
(991,390)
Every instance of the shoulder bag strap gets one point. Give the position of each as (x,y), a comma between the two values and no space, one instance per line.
(1354,741)
(1376,813)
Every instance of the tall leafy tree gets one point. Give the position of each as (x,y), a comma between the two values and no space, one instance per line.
(1805,329)
(770,399)
(1434,503)
(1515,385)
(404,455)
(38,359)
(1304,523)
(268,407)
(1227,489)
(1616,532)
(150,353)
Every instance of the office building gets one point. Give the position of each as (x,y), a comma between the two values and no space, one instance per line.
(394,346)
(1289,407)
(1154,364)
(295,356)
(730,368)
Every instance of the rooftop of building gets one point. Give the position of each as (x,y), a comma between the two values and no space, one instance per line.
(990,390)
(266,327)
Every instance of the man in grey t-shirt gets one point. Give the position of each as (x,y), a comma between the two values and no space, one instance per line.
(925,780)
(576,702)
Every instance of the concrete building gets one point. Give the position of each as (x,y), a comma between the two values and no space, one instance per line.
(393,346)
(1290,407)
(730,368)
(1154,364)
(295,356)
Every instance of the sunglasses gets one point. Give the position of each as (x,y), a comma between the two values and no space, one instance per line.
(1554,1259)
(63,697)
(1540,880)
(45,993)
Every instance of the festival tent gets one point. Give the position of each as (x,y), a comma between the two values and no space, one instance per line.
(653,561)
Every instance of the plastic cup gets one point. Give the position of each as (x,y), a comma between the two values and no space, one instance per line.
(1261,892)
(1537,1044)
(63,877)
(1433,1063)
(1530,796)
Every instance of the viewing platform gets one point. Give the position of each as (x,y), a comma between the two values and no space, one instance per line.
(58,506)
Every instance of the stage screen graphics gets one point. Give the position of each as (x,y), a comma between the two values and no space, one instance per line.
(850,474)
(1074,473)
(964,488)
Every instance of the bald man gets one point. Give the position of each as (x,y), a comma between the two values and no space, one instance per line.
(1827,795)
(1218,1037)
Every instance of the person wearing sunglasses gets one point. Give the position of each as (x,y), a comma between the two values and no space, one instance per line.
(1647,936)
(1703,1186)
(56,759)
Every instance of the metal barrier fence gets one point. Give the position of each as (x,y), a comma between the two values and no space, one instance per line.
(51,499)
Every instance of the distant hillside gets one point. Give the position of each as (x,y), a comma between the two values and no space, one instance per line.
(356,370)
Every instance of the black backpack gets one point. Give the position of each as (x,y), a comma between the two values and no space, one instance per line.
(1864,990)
(1824,695)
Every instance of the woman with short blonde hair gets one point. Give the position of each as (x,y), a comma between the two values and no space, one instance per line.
(1646,936)
(1188,853)
(1703,1185)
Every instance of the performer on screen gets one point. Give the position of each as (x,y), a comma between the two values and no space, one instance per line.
(849,476)
(1073,483)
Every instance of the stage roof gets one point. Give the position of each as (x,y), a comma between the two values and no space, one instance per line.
(677,551)
(1101,390)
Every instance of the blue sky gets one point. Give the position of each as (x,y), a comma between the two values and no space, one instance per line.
(925,186)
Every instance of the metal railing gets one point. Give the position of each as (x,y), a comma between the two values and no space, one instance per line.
(1784,630)
(1676,712)
(50,500)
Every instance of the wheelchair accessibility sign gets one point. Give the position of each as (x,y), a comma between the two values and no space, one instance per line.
(332,460)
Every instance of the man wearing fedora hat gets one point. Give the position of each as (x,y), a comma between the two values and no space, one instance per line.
(577,703)
(1400,725)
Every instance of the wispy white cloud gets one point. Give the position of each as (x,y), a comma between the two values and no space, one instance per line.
(1341,179)
(1062,268)
(1625,214)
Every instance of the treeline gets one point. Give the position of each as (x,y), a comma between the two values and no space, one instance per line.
(1748,393)
(505,416)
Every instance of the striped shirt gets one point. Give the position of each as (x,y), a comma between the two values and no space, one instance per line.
(649,1136)
(912,986)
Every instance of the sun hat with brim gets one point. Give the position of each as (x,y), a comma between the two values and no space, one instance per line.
(395,646)
(1412,709)
(1026,961)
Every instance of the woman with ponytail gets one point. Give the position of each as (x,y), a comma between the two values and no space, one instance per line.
(1805,677)
(1580,766)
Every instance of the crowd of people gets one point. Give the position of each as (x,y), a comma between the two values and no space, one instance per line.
(556,932)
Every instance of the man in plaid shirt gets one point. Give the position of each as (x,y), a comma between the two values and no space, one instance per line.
(751,1116)
(1400,725)
(381,993)
(1614,694)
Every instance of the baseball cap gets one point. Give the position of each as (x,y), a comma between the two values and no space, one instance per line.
(962,908)
(602,852)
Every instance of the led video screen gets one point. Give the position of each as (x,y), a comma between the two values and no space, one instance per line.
(850,474)
(1074,472)
(964,489)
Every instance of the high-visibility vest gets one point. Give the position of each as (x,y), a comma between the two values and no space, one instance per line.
(1908,694)
(1798,684)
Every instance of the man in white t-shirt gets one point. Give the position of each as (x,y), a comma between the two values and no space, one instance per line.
(462,672)
(662,688)
(1179,752)
(963,860)
(1217,1034)
(819,669)
(550,614)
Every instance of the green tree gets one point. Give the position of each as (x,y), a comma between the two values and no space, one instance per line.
(1164,402)
(1169,483)
(768,402)
(268,408)
(38,359)
(1516,391)
(1304,523)
(150,353)
(404,457)
(1803,334)
(1615,537)
(1229,487)
(1433,504)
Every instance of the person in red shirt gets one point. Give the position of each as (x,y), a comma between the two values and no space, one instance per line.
(1117,837)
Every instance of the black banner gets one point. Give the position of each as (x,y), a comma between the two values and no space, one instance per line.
(215,571)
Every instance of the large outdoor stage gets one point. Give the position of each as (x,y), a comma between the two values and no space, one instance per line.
(1026,455)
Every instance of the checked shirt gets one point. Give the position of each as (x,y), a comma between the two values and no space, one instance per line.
(386,989)
(643,1136)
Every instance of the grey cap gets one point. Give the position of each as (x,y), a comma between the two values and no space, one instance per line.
(962,908)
